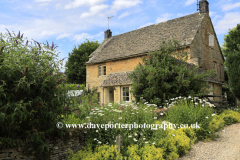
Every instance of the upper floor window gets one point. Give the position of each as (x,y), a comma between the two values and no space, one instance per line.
(101,70)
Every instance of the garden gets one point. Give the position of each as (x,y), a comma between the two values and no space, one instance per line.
(33,94)
(146,143)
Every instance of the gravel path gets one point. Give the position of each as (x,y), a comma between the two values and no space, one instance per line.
(226,147)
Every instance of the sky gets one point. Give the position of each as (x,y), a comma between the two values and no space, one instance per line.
(70,23)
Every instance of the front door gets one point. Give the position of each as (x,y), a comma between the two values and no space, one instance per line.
(111,95)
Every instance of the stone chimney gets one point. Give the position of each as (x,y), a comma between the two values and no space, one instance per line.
(107,34)
(204,6)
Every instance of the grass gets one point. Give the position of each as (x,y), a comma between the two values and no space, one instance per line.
(186,110)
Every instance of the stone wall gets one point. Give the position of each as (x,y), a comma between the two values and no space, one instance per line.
(60,150)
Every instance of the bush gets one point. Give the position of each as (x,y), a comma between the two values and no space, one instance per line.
(104,152)
(29,109)
(230,117)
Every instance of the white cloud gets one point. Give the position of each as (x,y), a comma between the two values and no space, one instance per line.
(165,17)
(63,35)
(79,3)
(94,10)
(43,0)
(189,2)
(122,4)
(58,6)
(145,25)
(43,4)
(124,15)
(84,36)
(230,6)
(80,37)
(229,21)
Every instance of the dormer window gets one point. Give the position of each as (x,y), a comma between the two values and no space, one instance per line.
(101,70)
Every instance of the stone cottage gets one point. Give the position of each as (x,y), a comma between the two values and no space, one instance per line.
(117,55)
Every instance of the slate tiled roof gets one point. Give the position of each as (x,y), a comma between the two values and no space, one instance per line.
(115,79)
(148,38)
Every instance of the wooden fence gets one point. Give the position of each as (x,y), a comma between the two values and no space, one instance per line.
(223,101)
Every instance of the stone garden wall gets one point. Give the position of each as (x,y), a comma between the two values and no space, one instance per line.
(60,150)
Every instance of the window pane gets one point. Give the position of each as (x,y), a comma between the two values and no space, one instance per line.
(127,98)
(99,71)
(104,70)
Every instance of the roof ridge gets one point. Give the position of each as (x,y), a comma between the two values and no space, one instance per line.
(156,24)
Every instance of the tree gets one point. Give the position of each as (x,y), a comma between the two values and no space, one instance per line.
(75,66)
(162,76)
(31,102)
(231,49)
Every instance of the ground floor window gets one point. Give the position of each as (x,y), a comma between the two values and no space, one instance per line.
(125,93)
(98,95)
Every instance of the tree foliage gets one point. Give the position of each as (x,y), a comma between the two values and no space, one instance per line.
(161,76)
(231,50)
(75,66)
(31,103)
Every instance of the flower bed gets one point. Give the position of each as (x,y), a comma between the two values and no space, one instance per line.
(140,143)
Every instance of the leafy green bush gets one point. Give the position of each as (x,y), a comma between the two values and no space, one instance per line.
(73,86)
(104,152)
(28,108)
(230,117)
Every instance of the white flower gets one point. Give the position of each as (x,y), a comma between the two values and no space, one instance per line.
(144,138)
(155,117)
(141,134)
(185,98)
(95,139)
(96,130)
(153,143)
(99,142)
(132,113)
(173,134)
(206,117)
(87,117)
(135,139)
(84,123)
(130,136)
(213,114)
(161,114)
(135,134)
(196,103)
(203,105)
(146,142)
(115,141)
(120,117)
(107,143)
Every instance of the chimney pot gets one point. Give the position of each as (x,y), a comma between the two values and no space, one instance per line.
(107,34)
(204,6)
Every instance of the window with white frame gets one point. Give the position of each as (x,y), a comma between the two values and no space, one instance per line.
(101,70)
(125,93)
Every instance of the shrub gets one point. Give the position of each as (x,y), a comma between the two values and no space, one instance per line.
(104,152)
(29,110)
(217,123)
(230,117)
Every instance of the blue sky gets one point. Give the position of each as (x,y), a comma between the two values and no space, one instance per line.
(71,22)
